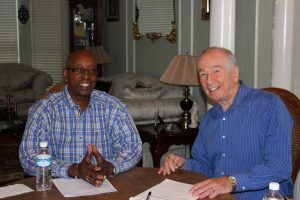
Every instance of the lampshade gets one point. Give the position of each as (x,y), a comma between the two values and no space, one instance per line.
(182,71)
(99,53)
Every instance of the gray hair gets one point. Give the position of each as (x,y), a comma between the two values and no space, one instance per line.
(230,56)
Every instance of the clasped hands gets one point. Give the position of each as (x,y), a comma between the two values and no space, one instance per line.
(209,188)
(94,174)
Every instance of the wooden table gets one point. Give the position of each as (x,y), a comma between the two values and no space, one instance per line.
(128,184)
(162,140)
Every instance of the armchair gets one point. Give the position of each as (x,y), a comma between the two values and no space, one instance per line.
(293,105)
(23,84)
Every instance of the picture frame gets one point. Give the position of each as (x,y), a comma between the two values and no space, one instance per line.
(112,10)
(205,10)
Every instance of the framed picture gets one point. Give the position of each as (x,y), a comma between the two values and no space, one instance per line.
(205,9)
(112,10)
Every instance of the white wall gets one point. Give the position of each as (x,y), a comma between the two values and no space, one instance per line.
(254,26)
(296,50)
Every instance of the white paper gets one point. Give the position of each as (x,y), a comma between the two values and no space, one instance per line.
(79,187)
(12,190)
(167,190)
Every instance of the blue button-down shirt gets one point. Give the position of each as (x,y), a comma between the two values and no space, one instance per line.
(105,123)
(250,141)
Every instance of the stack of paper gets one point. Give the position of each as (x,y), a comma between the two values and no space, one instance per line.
(167,190)
(79,187)
(12,190)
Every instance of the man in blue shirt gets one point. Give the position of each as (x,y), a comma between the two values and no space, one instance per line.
(244,140)
(90,134)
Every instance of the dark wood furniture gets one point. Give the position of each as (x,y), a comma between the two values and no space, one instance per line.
(161,140)
(128,184)
(85,23)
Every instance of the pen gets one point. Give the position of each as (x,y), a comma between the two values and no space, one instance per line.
(148,196)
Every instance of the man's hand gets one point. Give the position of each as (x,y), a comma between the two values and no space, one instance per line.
(171,163)
(86,170)
(103,167)
(211,188)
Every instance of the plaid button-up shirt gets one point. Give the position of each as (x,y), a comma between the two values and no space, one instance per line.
(105,123)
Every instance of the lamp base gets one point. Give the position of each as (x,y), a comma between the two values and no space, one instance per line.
(185,120)
(186,105)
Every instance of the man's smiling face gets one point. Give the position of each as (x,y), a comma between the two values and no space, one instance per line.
(217,78)
(81,75)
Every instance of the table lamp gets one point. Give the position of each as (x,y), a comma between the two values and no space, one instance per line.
(100,55)
(183,71)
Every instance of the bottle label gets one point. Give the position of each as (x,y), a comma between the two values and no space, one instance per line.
(43,160)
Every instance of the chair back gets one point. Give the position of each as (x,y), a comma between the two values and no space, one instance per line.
(293,105)
(55,88)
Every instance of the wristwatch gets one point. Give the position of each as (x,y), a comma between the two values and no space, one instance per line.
(232,181)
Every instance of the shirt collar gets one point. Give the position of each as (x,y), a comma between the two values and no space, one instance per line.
(69,101)
(240,99)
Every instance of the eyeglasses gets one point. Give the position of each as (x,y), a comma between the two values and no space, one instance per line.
(77,70)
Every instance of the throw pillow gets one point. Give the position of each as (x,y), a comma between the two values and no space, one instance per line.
(142,93)
(17,76)
(21,80)
(140,84)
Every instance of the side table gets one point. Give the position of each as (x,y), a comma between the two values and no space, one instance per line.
(162,140)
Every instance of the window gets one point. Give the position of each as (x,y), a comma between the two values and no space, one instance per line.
(48,44)
(9,51)
(155,19)
(156,16)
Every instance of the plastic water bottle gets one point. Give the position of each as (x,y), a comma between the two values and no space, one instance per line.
(273,193)
(43,175)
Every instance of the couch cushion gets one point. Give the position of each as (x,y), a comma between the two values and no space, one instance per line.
(146,111)
(141,93)
(172,92)
(22,80)
(15,76)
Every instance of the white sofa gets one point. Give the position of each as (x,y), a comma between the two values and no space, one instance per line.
(146,97)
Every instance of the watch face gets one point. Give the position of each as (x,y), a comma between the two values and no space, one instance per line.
(232,180)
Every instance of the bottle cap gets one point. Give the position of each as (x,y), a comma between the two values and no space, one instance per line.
(274,186)
(43,144)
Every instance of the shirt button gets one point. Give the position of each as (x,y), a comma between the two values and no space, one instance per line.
(223,155)
(223,136)
(224,118)
(222,173)
(243,187)
(80,138)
